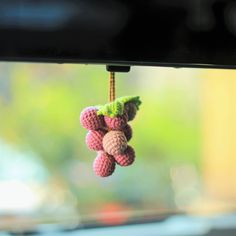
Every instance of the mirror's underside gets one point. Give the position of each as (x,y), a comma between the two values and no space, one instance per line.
(180,33)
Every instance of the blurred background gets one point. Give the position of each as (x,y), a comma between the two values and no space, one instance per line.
(184,137)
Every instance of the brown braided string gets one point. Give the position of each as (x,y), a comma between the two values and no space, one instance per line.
(112,92)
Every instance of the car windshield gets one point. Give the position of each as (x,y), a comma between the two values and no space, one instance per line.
(183,135)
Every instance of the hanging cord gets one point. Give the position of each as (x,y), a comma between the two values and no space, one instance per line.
(112,91)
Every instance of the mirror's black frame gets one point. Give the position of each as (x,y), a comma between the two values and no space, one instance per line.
(179,33)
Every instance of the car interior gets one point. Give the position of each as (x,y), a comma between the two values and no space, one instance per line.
(174,61)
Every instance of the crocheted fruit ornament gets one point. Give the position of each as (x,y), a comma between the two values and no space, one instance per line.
(104,164)
(94,139)
(90,120)
(126,158)
(114,142)
(109,131)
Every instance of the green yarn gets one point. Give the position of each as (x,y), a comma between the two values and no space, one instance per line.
(132,99)
(113,109)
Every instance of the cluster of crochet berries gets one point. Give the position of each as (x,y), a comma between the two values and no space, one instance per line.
(109,137)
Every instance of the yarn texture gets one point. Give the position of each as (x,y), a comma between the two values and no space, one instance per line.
(114,142)
(127,158)
(128,132)
(116,108)
(116,123)
(90,120)
(94,139)
(104,164)
(109,132)
(131,110)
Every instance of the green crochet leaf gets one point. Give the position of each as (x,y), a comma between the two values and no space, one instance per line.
(116,108)
(133,99)
(111,109)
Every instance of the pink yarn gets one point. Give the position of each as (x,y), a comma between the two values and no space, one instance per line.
(94,139)
(130,110)
(128,132)
(114,142)
(104,164)
(116,123)
(127,158)
(109,136)
(90,120)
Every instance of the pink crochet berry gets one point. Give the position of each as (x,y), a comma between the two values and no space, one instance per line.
(104,164)
(94,139)
(116,123)
(131,110)
(128,132)
(127,158)
(90,120)
(114,142)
